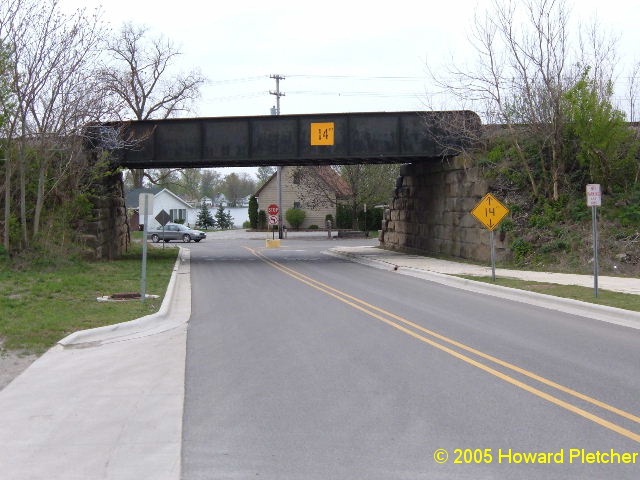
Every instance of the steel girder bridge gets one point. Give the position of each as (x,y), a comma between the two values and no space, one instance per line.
(313,139)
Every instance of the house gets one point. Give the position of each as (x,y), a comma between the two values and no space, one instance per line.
(316,190)
(163,199)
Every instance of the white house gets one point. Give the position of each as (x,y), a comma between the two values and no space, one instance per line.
(179,210)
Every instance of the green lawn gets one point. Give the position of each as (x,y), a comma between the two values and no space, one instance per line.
(40,306)
(605,297)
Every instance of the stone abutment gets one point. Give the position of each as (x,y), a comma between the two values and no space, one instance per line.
(430,212)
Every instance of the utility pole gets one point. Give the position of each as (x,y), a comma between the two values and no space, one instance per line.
(278,94)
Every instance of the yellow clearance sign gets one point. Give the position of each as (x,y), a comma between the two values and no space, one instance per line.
(322,133)
(490,211)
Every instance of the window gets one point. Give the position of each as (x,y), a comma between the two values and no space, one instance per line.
(178,214)
(297,205)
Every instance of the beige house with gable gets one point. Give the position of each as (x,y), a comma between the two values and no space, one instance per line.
(316,190)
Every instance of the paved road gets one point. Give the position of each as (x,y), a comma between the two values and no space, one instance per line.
(306,366)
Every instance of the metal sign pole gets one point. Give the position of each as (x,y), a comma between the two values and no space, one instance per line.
(493,255)
(596,268)
(143,280)
(594,200)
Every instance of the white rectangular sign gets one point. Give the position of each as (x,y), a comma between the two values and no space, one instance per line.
(594,195)
(145,204)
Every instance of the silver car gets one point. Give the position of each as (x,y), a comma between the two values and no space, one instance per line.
(175,231)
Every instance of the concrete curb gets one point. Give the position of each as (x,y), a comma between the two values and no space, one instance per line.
(174,311)
(602,313)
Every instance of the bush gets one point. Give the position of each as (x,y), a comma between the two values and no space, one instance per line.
(295,217)
(247,224)
(262,220)
(313,227)
(521,249)
(254,216)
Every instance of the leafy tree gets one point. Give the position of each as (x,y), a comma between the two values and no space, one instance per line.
(264,174)
(604,142)
(205,219)
(210,182)
(370,185)
(236,187)
(295,217)
(253,212)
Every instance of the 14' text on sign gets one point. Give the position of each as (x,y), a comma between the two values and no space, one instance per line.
(323,133)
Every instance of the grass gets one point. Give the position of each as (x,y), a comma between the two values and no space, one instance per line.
(626,301)
(40,306)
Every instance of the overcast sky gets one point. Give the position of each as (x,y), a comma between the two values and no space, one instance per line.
(336,55)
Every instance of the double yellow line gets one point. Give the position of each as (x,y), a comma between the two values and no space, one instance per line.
(445,344)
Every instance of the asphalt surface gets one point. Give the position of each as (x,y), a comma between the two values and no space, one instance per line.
(286,377)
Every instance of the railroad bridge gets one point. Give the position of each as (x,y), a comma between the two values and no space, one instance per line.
(432,198)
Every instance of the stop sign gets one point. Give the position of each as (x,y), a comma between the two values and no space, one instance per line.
(273,209)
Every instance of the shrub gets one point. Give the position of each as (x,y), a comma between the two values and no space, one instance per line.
(295,217)
(313,227)
(521,249)
(253,213)
(262,220)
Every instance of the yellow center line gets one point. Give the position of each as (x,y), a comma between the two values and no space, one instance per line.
(378,313)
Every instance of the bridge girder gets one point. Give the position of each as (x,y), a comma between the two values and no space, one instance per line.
(313,139)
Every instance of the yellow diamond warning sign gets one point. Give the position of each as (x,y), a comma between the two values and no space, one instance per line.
(490,211)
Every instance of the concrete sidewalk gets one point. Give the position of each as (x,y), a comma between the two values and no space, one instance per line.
(104,403)
(443,271)
(396,259)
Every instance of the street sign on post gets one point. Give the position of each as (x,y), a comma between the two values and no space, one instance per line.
(594,200)
(490,212)
(273,209)
(594,195)
(163,218)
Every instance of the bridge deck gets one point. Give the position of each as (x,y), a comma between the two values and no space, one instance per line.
(330,139)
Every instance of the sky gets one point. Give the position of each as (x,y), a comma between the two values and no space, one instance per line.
(335,55)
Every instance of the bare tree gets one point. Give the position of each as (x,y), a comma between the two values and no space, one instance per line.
(6,109)
(524,67)
(52,58)
(138,75)
(349,185)
(633,91)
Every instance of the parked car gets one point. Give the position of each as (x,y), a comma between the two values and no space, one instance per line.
(175,231)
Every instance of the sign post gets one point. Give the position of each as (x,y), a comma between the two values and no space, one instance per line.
(145,207)
(594,200)
(490,212)
(163,218)
(273,211)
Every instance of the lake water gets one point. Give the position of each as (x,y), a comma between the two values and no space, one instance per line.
(240,215)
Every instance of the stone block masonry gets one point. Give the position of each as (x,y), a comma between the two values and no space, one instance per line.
(430,212)
(106,237)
